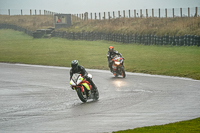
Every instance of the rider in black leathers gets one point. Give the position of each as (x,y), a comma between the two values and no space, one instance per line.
(81,70)
(110,54)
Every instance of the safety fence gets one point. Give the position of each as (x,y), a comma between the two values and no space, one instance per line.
(186,40)
(17,28)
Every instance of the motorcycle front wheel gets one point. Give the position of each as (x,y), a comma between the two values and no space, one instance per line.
(123,72)
(82,95)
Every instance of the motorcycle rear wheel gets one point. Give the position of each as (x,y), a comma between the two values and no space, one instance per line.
(82,95)
(96,96)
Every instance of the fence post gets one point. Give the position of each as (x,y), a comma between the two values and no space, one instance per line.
(188,12)
(196,12)
(166,12)
(95,16)
(79,17)
(152,13)
(87,16)
(124,14)
(30,12)
(104,16)
(21,12)
(134,13)
(91,15)
(99,16)
(113,14)
(146,13)
(159,12)
(44,12)
(181,12)
(129,12)
(119,14)
(140,13)
(9,12)
(35,12)
(173,12)
(109,15)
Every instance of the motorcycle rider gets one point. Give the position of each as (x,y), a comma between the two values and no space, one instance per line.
(110,55)
(76,68)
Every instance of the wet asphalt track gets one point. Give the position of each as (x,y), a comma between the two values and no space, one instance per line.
(39,99)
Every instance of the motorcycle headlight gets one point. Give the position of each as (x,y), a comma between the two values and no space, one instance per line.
(117,62)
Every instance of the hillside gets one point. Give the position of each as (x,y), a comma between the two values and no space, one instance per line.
(157,26)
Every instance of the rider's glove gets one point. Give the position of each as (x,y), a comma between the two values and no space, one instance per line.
(85,76)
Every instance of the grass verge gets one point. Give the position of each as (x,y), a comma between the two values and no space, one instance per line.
(190,126)
(17,47)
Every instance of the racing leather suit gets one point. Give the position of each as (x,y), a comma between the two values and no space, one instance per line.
(110,56)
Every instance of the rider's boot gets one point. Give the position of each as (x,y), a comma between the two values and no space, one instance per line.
(88,93)
(111,70)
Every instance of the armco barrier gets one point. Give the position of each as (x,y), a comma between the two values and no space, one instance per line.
(147,39)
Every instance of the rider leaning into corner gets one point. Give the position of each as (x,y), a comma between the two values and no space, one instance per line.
(110,54)
(76,68)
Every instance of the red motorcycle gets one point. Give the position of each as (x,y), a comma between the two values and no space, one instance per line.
(83,88)
(118,66)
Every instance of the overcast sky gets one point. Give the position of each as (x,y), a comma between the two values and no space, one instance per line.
(92,6)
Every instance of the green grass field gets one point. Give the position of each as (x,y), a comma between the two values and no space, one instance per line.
(17,47)
(190,126)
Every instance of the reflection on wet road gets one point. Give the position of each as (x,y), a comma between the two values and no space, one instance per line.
(39,99)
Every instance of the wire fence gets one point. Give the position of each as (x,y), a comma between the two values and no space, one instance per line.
(25,12)
(141,13)
(132,13)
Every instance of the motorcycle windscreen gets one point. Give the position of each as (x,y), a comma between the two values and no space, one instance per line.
(75,78)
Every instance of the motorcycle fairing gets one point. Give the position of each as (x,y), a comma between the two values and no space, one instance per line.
(86,86)
(114,67)
(72,83)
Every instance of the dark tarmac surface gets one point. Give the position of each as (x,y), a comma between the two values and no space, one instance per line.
(38,99)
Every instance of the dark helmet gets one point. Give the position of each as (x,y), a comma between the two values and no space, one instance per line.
(74,64)
(111,49)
